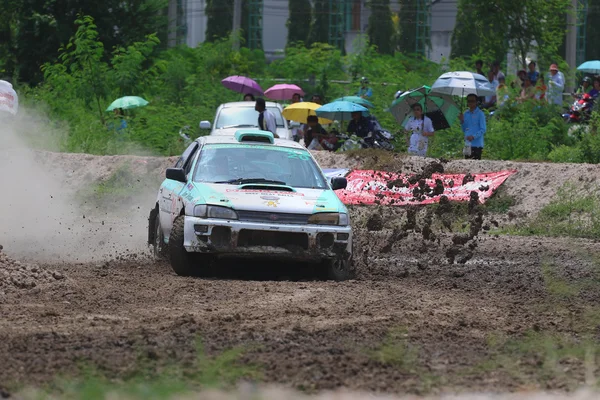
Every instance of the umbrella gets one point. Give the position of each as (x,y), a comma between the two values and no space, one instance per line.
(440,108)
(591,67)
(340,110)
(283,91)
(299,112)
(242,84)
(357,100)
(127,102)
(463,83)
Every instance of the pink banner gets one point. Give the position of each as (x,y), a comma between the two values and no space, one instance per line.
(387,188)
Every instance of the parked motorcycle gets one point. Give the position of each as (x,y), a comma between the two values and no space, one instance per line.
(581,110)
(374,140)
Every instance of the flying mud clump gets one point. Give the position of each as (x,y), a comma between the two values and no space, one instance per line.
(15,275)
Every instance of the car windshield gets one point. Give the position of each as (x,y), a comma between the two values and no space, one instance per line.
(238,117)
(246,163)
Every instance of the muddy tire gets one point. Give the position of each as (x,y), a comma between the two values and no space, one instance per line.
(339,269)
(159,248)
(181,260)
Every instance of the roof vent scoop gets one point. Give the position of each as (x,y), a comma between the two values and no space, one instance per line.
(254,136)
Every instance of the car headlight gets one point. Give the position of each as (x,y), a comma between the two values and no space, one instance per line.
(204,211)
(329,219)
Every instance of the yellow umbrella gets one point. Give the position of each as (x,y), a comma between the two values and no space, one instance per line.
(300,111)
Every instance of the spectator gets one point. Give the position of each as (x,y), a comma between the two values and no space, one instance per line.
(490,101)
(473,126)
(364,91)
(296,98)
(121,124)
(266,119)
(313,132)
(533,74)
(528,91)
(249,97)
(502,92)
(316,98)
(420,128)
(541,88)
(586,86)
(596,89)
(359,125)
(479,67)
(556,86)
(496,70)
(522,74)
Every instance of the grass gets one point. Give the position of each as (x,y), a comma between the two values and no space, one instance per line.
(574,212)
(148,380)
(557,287)
(500,202)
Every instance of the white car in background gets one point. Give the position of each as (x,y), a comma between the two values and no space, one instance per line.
(231,117)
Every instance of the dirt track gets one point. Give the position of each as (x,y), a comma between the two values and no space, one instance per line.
(306,333)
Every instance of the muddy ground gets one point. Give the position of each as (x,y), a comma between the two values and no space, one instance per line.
(430,311)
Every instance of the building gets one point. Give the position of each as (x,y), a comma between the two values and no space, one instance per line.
(442,16)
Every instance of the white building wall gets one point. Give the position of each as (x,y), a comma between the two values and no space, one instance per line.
(443,20)
(275,16)
(196,22)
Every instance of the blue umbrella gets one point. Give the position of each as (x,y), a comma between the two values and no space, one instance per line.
(340,110)
(591,67)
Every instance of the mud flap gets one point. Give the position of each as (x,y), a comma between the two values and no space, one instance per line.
(151,227)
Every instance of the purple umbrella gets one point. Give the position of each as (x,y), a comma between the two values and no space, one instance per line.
(242,84)
(283,91)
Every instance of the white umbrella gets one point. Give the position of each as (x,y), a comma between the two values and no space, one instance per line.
(463,83)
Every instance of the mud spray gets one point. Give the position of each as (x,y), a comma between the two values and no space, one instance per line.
(41,217)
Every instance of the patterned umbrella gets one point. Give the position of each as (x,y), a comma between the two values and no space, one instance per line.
(440,108)
(463,83)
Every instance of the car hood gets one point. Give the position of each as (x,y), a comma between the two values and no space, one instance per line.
(268,198)
(281,131)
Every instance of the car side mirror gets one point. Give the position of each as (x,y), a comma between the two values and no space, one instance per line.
(339,182)
(176,174)
(204,124)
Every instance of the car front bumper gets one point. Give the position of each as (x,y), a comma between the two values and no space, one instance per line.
(270,240)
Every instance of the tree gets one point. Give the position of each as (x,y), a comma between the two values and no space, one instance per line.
(298,23)
(592,50)
(381,27)
(32,31)
(407,17)
(319,28)
(219,19)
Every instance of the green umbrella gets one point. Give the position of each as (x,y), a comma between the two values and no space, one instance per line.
(357,100)
(440,108)
(127,103)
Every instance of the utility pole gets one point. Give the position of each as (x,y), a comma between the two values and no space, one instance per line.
(571,45)
(237,23)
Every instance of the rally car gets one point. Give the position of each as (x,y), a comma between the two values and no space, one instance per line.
(250,195)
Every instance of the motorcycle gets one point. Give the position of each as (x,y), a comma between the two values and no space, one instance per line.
(581,110)
(374,140)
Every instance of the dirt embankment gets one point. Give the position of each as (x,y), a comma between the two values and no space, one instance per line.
(439,305)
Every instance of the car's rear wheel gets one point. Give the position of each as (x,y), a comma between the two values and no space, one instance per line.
(159,248)
(181,260)
(339,269)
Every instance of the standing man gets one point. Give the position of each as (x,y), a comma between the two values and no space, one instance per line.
(364,91)
(473,126)
(266,119)
(556,86)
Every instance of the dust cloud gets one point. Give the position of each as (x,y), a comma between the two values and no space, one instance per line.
(41,217)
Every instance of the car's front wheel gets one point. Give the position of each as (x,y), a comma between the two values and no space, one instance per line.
(339,269)
(181,260)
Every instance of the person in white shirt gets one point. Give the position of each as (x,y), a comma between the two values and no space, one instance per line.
(420,129)
(266,119)
(556,86)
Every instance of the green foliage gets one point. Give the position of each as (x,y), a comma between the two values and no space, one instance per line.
(298,23)
(381,27)
(219,19)
(407,17)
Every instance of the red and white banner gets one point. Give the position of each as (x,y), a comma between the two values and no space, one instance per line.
(387,188)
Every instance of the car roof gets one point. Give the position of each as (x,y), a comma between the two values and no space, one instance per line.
(238,104)
(226,139)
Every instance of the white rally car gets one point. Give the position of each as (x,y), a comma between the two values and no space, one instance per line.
(250,195)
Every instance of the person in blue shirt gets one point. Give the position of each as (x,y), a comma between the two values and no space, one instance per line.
(364,91)
(532,73)
(473,126)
